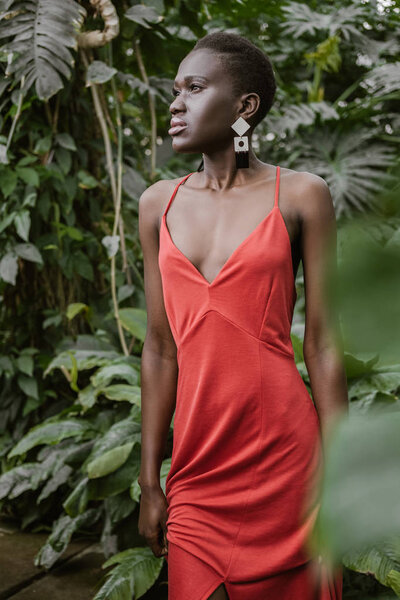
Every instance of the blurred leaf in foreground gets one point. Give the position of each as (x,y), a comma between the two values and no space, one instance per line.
(360,486)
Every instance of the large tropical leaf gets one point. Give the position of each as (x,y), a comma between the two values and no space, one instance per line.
(136,571)
(300,115)
(301,19)
(53,433)
(110,461)
(40,33)
(58,540)
(384,79)
(361,485)
(121,432)
(380,561)
(135,321)
(18,480)
(353,164)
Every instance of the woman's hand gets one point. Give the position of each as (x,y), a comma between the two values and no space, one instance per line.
(153,518)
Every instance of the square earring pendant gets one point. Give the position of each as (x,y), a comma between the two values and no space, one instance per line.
(240,126)
(241,144)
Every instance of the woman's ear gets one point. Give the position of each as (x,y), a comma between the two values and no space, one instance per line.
(250,105)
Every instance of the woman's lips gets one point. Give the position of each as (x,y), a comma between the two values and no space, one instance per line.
(176,129)
(177,125)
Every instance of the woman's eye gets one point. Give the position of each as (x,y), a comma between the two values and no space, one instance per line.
(193,85)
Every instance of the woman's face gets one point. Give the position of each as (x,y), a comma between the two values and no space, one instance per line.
(204,103)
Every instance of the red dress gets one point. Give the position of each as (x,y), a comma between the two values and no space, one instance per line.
(246,441)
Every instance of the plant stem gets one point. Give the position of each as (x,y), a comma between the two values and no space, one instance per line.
(152,108)
(115,195)
(118,216)
(16,116)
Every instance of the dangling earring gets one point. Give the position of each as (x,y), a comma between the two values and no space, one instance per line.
(241,143)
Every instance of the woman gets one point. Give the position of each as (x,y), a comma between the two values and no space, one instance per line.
(221,249)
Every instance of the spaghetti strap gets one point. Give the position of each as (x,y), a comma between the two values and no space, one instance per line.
(175,190)
(277,186)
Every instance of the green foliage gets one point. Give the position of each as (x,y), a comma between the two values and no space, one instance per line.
(52,433)
(370,252)
(109,462)
(70,398)
(99,72)
(61,535)
(136,570)
(381,561)
(42,32)
(358,520)
(134,320)
(362,474)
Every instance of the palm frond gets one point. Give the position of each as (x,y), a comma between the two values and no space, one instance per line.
(353,163)
(383,79)
(301,19)
(296,115)
(41,32)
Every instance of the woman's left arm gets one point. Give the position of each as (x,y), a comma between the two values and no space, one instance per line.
(322,349)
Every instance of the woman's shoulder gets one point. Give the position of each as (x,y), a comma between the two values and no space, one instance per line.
(303,179)
(309,197)
(158,189)
(304,187)
(154,199)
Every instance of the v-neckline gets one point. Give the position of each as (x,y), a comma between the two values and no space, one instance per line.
(231,257)
(238,248)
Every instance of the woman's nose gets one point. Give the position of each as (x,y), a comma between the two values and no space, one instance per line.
(177,105)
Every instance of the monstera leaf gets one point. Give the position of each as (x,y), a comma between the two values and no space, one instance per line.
(38,35)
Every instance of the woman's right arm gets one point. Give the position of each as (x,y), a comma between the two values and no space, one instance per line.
(159,372)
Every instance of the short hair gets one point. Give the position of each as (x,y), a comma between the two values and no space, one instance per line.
(249,68)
